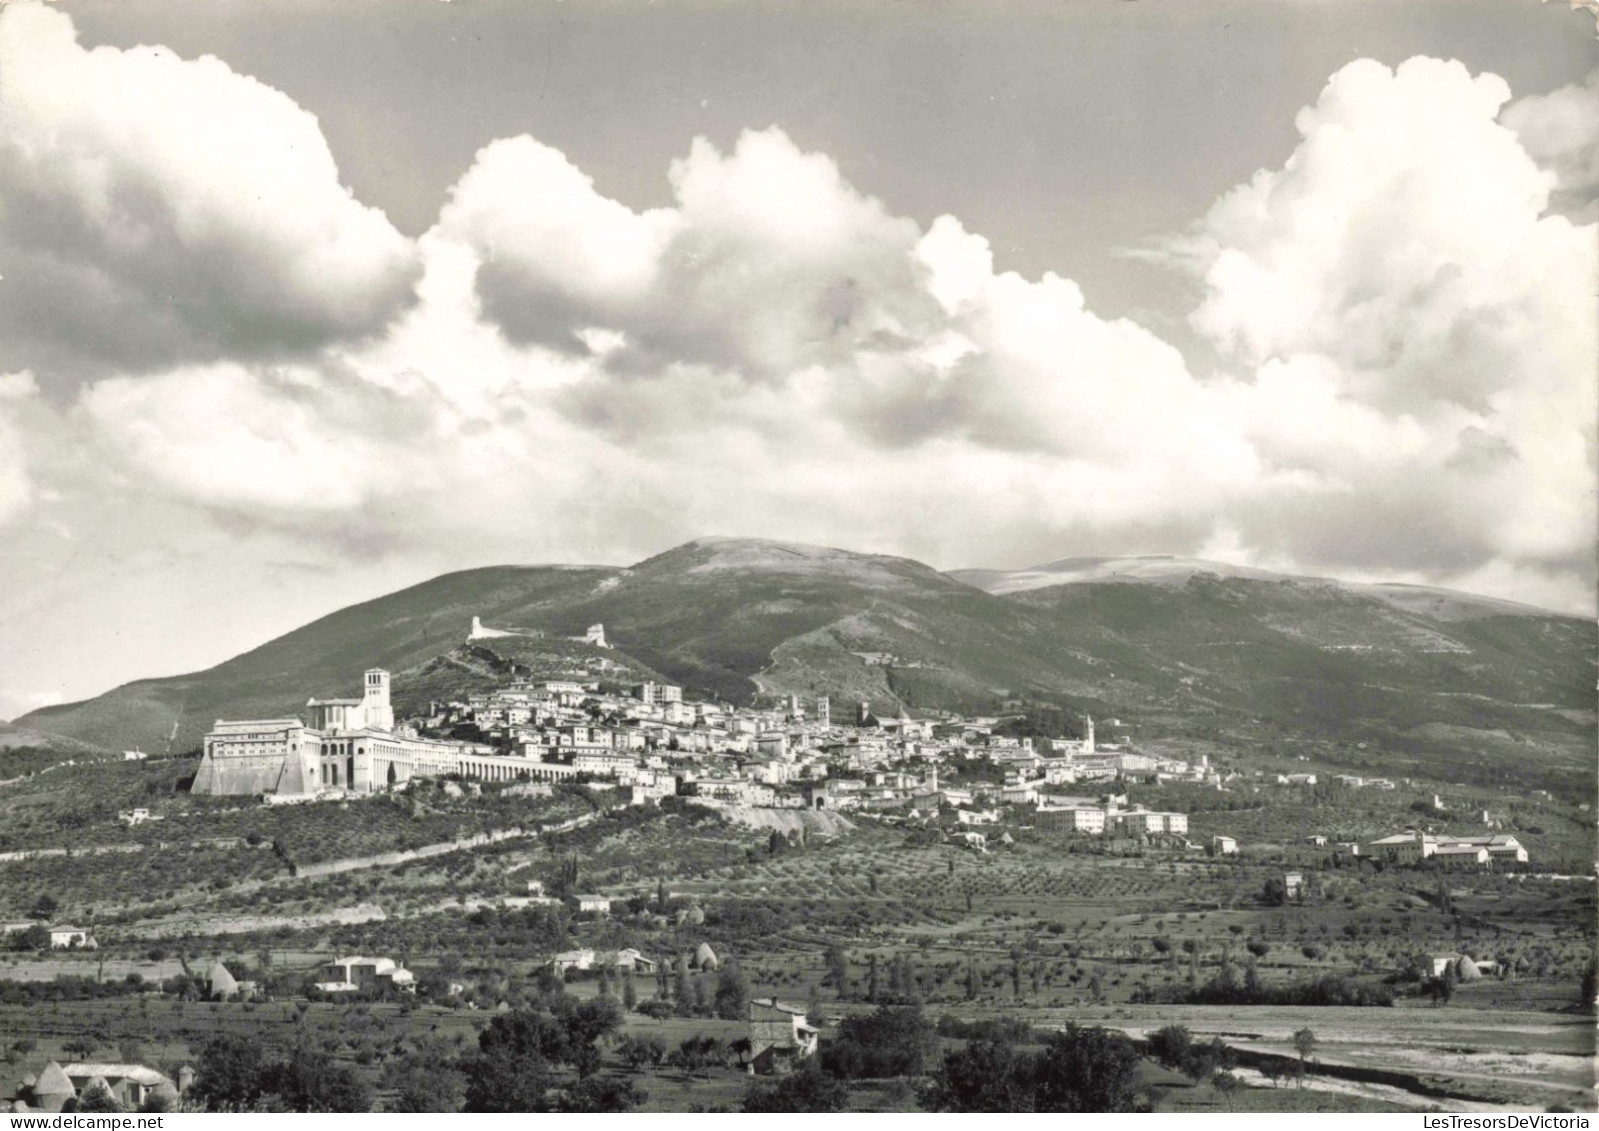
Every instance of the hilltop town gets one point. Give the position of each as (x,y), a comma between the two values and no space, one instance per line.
(648,742)
(728,858)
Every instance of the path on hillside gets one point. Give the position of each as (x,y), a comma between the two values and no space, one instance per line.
(194,922)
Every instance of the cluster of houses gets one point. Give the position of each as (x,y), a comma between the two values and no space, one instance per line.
(651,742)
(62,937)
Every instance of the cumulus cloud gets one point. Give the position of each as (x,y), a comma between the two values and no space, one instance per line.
(769,262)
(1422,331)
(1560,130)
(157,210)
(1406,384)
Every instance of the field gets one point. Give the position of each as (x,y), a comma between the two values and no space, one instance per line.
(1046,926)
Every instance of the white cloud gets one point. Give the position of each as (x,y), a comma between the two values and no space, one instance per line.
(156,210)
(1406,337)
(1560,130)
(1423,330)
(18,391)
(769,262)
(230,437)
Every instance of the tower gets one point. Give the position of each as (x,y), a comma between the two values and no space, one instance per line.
(824,711)
(375,704)
(1088,737)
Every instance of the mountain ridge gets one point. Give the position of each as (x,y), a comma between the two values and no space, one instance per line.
(1165,569)
(1231,658)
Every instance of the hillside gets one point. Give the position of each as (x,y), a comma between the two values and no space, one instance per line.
(401,631)
(1175,648)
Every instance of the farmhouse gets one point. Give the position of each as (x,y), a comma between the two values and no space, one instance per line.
(130,1085)
(630,959)
(62,938)
(356,973)
(599,904)
(779,1035)
(572,960)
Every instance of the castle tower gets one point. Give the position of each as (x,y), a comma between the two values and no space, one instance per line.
(376,707)
(824,711)
(862,713)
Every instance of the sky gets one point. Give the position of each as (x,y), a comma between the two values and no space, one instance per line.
(304,301)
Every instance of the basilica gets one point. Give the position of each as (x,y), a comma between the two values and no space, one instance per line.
(350,745)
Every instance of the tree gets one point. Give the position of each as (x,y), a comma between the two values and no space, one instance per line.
(984,1076)
(1441,988)
(1304,1045)
(502,1079)
(1206,1059)
(308,1081)
(732,993)
(36,937)
(427,1081)
(1087,1070)
(807,1089)
(889,1041)
(682,992)
(564,884)
(697,1053)
(81,1047)
(1171,1046)
(629,992)
(837,967)
(98,1098)
(229,1073)
(44,907)
(1227,1084)
(593,1094)
(640,1053)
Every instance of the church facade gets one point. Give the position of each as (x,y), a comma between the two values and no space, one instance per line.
(348,744)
